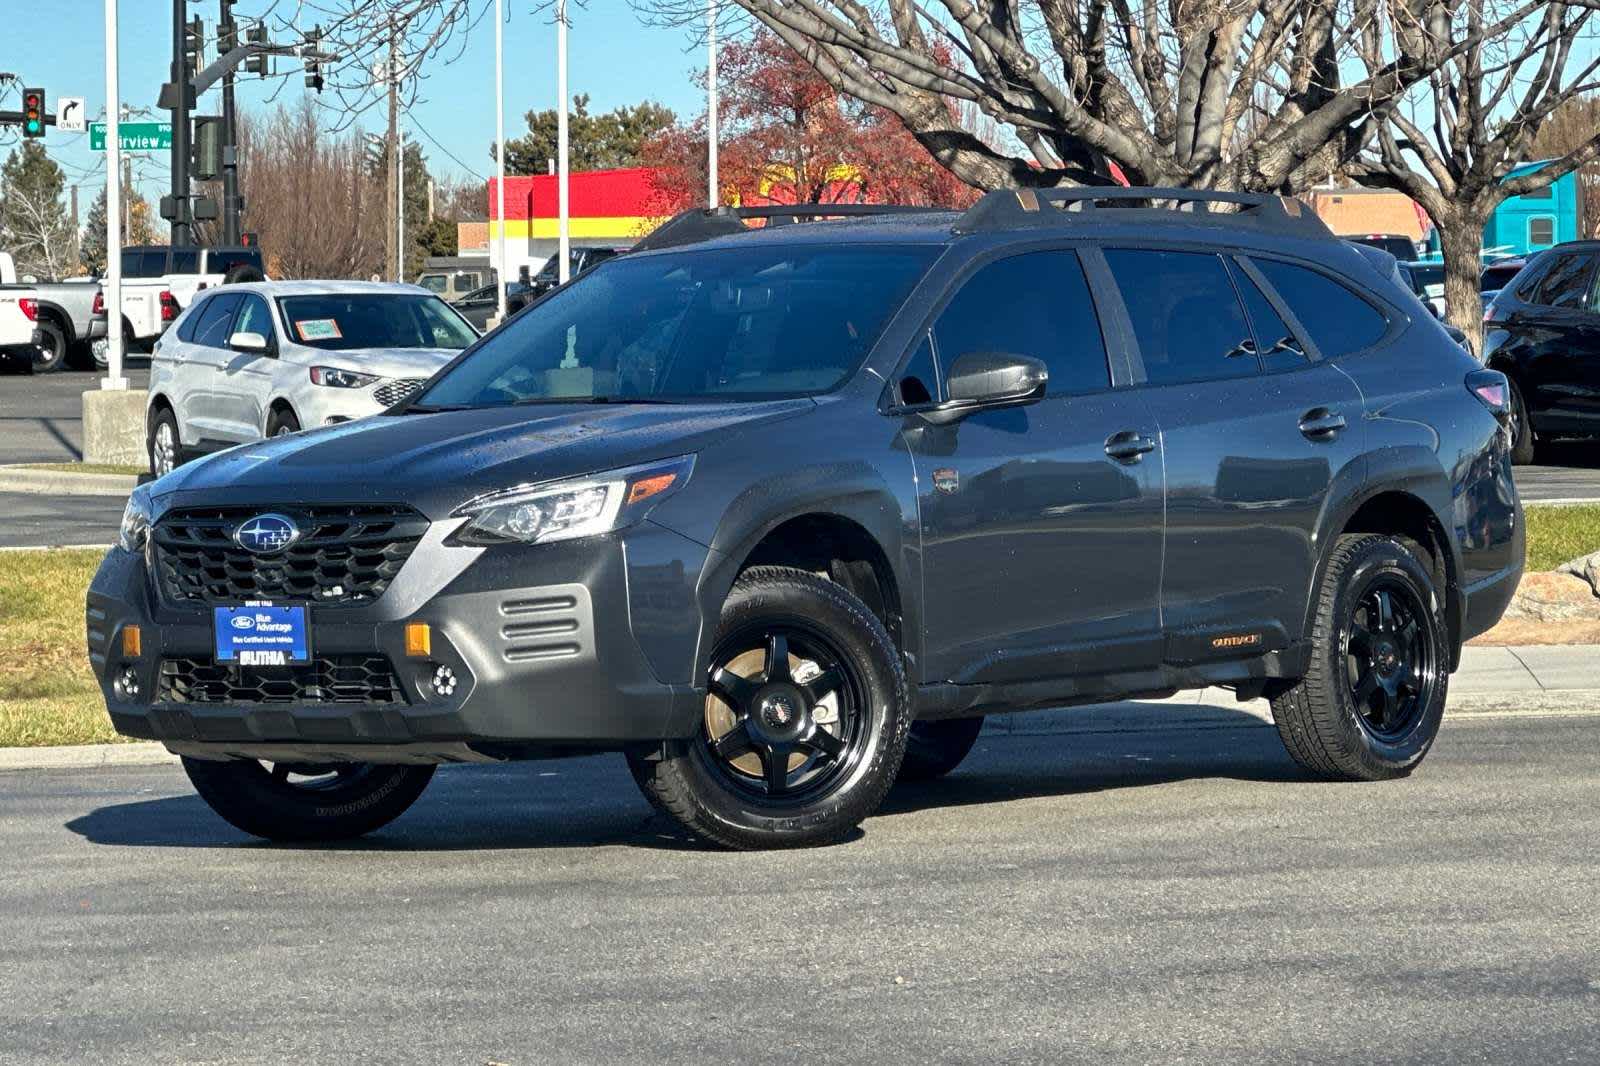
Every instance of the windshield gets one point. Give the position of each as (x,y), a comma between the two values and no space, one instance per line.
(374,320)
(744,323)
(1397,246)
(1426,276)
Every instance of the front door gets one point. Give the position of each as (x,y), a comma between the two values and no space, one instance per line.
(1041,551)
(246,377)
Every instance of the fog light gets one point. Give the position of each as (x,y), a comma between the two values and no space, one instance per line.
(126,685)
(419,640)
(444,681)
(130,641)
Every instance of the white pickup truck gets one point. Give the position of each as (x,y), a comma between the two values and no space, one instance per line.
(50,318)
(159,281)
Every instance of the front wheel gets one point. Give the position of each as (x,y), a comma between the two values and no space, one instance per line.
(805,719)
(307,802)
(1519,428)
(1370,705)
(166,449)
(281,423)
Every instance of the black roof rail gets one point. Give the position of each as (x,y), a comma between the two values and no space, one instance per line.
(703,224)
(1025,208)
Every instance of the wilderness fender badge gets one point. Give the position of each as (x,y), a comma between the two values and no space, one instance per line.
(946,480)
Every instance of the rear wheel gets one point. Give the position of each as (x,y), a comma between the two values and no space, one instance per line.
(307,802)
(281,423)
(1519,428)
(936,748)
(1370,705)
(50,354)
(805,719)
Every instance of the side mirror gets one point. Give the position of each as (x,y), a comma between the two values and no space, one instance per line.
(989,379)
(248,342)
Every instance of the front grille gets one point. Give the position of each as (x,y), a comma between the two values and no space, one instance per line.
(367,680)
(346,556)
(392,392)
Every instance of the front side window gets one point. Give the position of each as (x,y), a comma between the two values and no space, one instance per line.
(1036,304)
(727,323)
(1185,315)
(254,317)
(1339,322)
(434,282)
(1565,282)
(343,322)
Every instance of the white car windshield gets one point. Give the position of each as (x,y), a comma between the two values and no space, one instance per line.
(340,322)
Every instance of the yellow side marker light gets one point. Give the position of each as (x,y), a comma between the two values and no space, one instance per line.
(419,640)
(131,642)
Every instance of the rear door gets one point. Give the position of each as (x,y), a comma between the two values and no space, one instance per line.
(1041,550)
(1253,434)
(1556,344)
(203,405)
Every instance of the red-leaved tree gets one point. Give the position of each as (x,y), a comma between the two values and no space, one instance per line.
(787,137)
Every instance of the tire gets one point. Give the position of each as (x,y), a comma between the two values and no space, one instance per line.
(1328,726)
(51,354)
(1524,448)
(307,803)
(242,273)
(935,748)
(794,654)
(100,353)
(281,422)
(163,444)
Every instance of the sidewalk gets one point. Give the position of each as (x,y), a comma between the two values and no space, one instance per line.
(1560,680)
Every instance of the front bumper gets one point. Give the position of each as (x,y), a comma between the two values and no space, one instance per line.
(541,641)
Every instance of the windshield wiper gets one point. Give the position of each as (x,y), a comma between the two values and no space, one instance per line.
(433,409)
(530,400)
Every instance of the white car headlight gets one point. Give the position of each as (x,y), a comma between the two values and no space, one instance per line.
(333,377)
(566,510)
(135,528)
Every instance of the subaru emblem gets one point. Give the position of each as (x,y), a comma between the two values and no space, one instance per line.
(267,534)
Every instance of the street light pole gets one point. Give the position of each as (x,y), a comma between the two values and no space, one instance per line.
(182,225)
(713,195)
(564,244)
(113,284)
(400,215)
(503,278)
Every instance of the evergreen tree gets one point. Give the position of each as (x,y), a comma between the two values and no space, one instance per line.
(596,142)
(137,228)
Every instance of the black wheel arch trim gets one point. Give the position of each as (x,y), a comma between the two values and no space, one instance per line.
(59,316)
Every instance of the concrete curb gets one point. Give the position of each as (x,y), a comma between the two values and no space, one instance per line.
(1129,717)
(65,483)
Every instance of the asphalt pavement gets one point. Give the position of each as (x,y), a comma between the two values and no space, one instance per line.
(1161,895)
(41,415)
(31,520)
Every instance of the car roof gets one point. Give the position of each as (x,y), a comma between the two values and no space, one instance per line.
(327,288)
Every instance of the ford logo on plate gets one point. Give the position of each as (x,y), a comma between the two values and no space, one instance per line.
(266,534)
(242,621)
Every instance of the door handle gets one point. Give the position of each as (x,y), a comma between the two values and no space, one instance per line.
(1129,446)
(1320,423)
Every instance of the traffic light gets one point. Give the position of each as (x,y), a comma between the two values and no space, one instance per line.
(194,44)
(33,112)
(205,163)
(257,63)
(313,64)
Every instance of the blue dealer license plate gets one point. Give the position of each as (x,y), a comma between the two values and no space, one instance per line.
(262,635)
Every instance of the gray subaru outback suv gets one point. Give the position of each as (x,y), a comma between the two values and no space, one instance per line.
(780,512)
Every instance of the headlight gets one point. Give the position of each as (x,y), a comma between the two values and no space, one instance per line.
(135,522)
(333,377)
(566,510)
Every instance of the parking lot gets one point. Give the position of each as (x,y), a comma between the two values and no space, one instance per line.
(1169,894)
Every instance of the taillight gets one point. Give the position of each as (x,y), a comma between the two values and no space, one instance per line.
(1492,390)
(30,308)
(99,307)
(169,306)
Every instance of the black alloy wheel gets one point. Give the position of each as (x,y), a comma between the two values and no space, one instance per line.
(1391,664)
(783,715)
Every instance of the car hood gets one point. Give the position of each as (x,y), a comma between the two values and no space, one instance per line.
(435,462)
(385,362)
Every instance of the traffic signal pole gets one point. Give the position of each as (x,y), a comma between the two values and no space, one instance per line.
(183,217)
(228,38)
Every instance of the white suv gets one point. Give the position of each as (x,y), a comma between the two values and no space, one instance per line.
(264,359)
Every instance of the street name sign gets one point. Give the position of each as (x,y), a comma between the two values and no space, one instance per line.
(135,136)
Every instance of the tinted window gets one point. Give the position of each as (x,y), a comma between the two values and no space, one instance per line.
(341,322)
(191,320)
(1185,315)
(1497,277)
(1338,321)
(1036,304)
(215,319)
(1565,281)
(185,260)
(254,317)
(1541,230)
(434,282)
(758,321)
(918,380)
(1541,193)
(144,262)
(222,260)
(1275,341)
(1398,246)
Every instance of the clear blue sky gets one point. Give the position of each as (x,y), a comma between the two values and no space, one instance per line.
(613,57)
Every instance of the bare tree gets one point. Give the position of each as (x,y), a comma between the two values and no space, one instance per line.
(1161,89)
(1452,141)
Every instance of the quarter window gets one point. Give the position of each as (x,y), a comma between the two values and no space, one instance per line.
(1185,315)
(919,379)
(1275,341)
(1564,284)
(1339,322)
(1036,304)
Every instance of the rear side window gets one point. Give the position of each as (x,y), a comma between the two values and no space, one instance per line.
(185,261)
(1035,304)
(1339,321)
(1185,315)
(191,320)
(1275,341)
(215,319)
(1564,283)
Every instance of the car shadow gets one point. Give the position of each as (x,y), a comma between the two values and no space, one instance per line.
(592,801)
